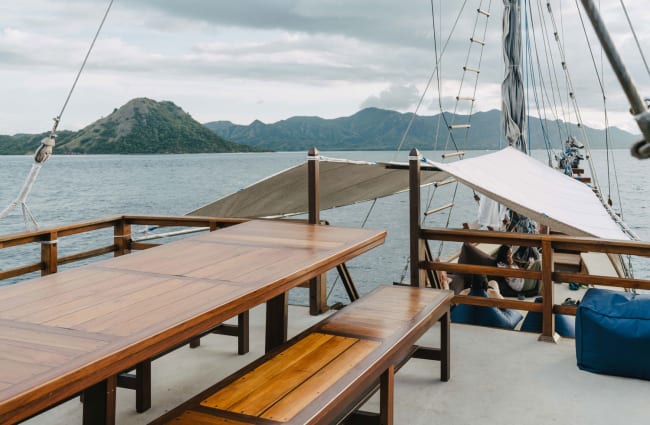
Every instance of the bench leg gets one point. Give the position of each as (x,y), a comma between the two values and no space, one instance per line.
(445,355)
(99,403)
(386,396)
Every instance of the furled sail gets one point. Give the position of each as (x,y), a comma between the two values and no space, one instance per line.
(342,182)
(512,88)
(545,195)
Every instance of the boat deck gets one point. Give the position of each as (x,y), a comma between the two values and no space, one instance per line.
(497,377)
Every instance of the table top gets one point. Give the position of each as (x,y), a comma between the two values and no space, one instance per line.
(62,333)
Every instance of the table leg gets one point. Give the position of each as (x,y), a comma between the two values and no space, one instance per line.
(445,354)
(99,403)
(277,312)
(386,396)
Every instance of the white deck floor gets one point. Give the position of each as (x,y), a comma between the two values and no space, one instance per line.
(498,377)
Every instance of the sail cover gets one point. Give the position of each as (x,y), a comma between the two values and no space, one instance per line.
(544,194)
(342,182)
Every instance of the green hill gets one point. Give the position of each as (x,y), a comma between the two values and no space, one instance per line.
(142,126)
(379,129)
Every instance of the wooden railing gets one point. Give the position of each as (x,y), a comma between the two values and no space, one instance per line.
(550,246)
(122,242)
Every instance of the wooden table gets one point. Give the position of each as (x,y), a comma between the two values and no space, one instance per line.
(76,330)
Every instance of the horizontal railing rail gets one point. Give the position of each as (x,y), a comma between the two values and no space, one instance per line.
(122,242)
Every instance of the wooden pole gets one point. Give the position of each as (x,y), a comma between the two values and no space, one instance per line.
(121,237)
(317,286)
(418,276)
(49,254)
(548,319)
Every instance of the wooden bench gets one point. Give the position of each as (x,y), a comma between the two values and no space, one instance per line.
(327,372)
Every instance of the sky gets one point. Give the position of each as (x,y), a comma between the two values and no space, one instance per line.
(274,59)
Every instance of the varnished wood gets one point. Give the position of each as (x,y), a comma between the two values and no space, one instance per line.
(99,402)
(317,285)
(326,372)
(49,254)
(86,254)
(122,237)
(386,396)
(417,250)
(77,328)
(499,303)
(19,271)
(44,235)
(548,318)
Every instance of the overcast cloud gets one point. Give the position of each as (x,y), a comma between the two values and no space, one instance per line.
(272,59)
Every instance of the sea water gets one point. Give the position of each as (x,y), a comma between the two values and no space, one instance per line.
(78,188)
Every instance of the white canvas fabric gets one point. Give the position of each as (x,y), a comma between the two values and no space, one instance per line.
(535,190)
(342,182)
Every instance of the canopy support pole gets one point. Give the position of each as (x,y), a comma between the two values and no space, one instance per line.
(317,285)
(417,251)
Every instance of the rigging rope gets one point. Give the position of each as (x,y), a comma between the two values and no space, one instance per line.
(576,109)
(433,72)
(636,39)
(363,225)
(44,151)
(553,78)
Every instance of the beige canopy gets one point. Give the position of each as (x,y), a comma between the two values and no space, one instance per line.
(538,191)
(342,182)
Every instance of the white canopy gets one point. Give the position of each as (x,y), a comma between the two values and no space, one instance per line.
(342,182)
(537,191)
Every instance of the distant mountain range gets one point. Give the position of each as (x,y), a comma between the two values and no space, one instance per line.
(145,126)
(379,129)
(141,126)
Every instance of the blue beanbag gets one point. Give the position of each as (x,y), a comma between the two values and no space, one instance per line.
(485,316)
(564,325)
(613,333)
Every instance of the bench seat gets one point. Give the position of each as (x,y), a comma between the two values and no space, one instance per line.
(328,371)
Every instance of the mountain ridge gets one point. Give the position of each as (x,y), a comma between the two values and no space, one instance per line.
(144,126)
(141,126)
(381,129)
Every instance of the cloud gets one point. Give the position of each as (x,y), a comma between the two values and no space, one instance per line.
(399,97)
(375,52)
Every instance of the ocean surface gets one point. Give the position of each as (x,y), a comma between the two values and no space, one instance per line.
(77,188)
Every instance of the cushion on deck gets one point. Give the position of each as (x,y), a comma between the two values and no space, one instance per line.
(485,316)
(564,325)
(613,333)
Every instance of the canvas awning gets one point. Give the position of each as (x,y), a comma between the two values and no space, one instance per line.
(342,182)
(537,191)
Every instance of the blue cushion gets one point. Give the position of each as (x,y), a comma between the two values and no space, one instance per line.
(485,316)
(464,313)
(564,325)
(613,333)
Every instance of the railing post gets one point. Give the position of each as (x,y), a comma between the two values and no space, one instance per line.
(49,254)
(121,237)
(418,276)
(318,285)
(548,319)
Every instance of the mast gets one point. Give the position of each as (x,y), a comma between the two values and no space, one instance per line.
(639,109)
(513,110)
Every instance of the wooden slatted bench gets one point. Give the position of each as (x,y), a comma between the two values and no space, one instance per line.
(324,374)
